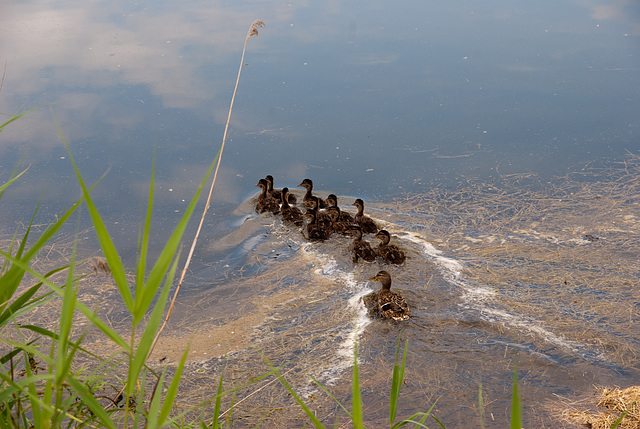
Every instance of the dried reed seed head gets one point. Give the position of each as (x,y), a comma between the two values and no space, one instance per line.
(253,30)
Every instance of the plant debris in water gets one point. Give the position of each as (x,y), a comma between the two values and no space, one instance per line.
(572,243)
(611,404)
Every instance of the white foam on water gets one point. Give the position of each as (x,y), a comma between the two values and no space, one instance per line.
(251,243)
(328,268)
(475,296)
(478,297)
(451,269)
(533,328)
(237,223)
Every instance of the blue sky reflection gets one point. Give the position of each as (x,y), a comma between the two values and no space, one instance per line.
(369,98)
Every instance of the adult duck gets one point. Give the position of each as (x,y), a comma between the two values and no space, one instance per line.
(308,185)
(366,223)
(389,252)
(332,201)
(276,193)
(266,203)
(391,305)
(289,213)
(359,247)
(315,230)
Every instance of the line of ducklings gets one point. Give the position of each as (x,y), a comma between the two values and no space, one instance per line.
(324,218)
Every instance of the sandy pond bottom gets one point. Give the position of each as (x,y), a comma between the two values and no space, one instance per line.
(514,270)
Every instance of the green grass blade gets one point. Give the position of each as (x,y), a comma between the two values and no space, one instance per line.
(14,173)
(154,407)
(234,390)
(410,420)
(5,263)
(295,396)
(331,396)
(173,390)
(439,422)
(19,115)
(166,256)
(216,408)
(144,239)
(106,243)
(516,411)
(423,418)
(623,415)
(68,360)
(91,402)
(146,341)
(41,410)
(15,387)
(66,318)
(47,333)
(22,303)
(229,416)
(10,355)
(27,386)
(28,348)
(11,180)
(395,388)
(86,311)
(101,325)
(62,363)
(12,278)
(357,400)
(396,382)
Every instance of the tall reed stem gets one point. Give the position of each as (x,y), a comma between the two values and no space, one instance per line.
(253,31)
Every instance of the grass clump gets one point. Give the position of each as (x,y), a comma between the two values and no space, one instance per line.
(39,384)
(356,414)
(614,408)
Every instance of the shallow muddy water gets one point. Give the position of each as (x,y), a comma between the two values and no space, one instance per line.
(513,271)
(496,141)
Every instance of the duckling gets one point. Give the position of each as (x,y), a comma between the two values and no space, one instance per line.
(332,201)
(361,249)
(290,214)
(316,231)
(391,305)
(366,223)
(337,224)
(389,252)
(308,185)
(265,202)
(323,218)
(277,194)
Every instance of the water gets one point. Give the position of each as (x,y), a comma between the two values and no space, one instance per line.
(488,136)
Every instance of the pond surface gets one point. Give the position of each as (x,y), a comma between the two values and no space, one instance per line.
(497,142)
